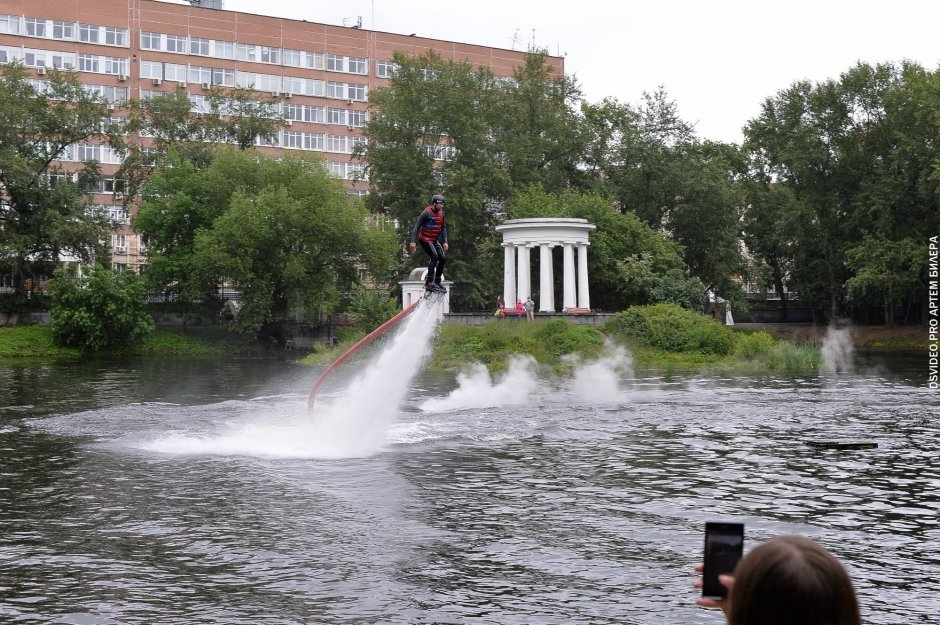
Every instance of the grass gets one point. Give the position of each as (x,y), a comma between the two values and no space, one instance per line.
(491,344)
(32,341)
(35,341)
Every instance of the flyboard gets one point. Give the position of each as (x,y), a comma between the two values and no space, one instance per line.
(379,331)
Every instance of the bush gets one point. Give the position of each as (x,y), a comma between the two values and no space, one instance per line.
(670,328)
(492,343)
(753,345)
(99,311)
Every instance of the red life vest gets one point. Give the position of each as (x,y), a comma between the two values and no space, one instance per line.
(431,233)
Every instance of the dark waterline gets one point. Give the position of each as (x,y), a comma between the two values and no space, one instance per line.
(565,509)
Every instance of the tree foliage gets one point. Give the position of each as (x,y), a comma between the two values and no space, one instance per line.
(280,231)
(46,210)
(626,258)
(847,168)
(446,126)
(98,311)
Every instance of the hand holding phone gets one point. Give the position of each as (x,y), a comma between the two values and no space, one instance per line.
(724,545)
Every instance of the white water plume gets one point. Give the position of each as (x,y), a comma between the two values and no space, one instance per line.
(838,351)
(599,381)
(357,421)
(477,389)
(354,423)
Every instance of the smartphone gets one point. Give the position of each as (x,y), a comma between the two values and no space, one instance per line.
(724,545)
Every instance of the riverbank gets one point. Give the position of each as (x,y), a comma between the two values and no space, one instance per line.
(863,337)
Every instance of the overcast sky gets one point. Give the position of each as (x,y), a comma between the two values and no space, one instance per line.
(717,59)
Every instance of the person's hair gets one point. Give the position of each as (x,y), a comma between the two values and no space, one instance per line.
(790,580)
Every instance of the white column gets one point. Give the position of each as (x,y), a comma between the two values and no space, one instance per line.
(568,276)
(584,299)
(546,279)
(524,285)
(509,274)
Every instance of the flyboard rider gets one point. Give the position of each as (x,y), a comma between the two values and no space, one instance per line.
(431,232)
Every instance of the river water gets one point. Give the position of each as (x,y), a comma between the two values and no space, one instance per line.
(203,492)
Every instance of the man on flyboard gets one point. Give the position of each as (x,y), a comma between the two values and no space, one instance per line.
(431,232)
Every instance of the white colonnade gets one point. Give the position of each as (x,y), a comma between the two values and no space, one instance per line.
(546,233)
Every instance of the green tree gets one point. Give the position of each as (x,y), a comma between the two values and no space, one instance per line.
(886,274)
(102,310)
(237,116)
(654,166)
(627,259)
(447,127)
(372,307)
(46,210)
(281,231)
(857,157)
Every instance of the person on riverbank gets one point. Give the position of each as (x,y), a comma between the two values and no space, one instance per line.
(431,232)
(789,580)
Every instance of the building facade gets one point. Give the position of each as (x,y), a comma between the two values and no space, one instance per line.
(136,49)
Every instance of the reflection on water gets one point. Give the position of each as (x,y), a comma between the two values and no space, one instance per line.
(190,493)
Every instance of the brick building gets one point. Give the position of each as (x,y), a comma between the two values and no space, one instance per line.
(136,49)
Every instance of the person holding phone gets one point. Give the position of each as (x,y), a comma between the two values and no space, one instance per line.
(789,580)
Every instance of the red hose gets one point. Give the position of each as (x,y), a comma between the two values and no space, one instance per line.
(379,331)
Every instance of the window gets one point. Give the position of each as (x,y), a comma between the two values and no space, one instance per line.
(356,92)
(335,89)
(114,95)
(63,30)
(357,65)
(336,169)
(115,65)
(385,69)
(293,85)
(117,214)
(89,63)
(63,61)
(292,139)
(88,33)
(336,143)
(176,43)
(119,242)
(223,77)
(150,41)
(35,58)
(151,69)
(316,87)
(87,152)
(314,60)
(35,27)
(335,63)
(245,52)
(115,36)
(200,74)
(356,118)
(10,24)
(199,46)
(174,71)
(225,49)
(267,82)
(292,57)
(313,141)
(110,184)
(270,55)
(335,116)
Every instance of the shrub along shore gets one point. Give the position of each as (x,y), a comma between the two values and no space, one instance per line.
(661,335)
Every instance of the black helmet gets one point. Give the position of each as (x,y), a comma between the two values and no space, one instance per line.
(437,198)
